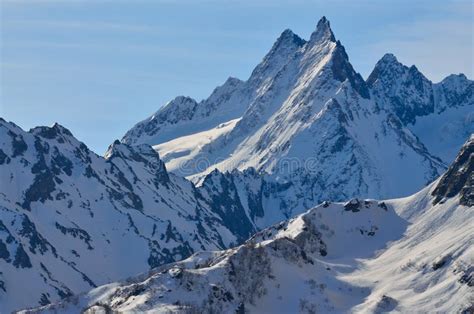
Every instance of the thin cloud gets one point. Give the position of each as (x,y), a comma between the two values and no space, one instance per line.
(110,26)
(83,25)
(182,53)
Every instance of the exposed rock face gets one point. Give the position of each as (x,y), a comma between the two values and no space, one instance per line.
(459,179)
(406,90)
(439,114)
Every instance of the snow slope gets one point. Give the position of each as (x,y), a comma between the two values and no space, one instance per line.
(71,220)
(413,254)
(176,152)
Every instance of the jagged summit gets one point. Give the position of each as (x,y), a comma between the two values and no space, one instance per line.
(389,58)
(389,69)
(113,149)
(232,81)
(289,37)
(185,101)
(52,131)
(455,79)
(387,65)
(287,41)
(323,31)
(439,114)
(280,53)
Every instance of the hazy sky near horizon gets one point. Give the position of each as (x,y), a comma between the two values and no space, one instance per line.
(100,66)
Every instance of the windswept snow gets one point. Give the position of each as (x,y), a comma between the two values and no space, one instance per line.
(177,152)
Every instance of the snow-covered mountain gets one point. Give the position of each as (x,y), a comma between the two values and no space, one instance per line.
(440,114)
(304,128)
(306,111)
(413,254)
(71,220)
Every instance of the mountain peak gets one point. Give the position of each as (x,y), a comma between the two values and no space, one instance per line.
(142,153)
(323,22)
(288,38)
(456,79)
(182,99)
(52,131)
(282,50)
(389,58)
(180,108)
(387,64)
(287,33)
(233,81)
(113,149)
(61,129)
(323,31)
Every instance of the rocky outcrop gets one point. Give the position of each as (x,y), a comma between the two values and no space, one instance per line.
(459,179)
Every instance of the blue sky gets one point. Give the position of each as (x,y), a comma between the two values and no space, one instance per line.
(98,67)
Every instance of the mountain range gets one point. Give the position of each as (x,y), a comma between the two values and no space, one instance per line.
(305,129)
(362,256)
(306,111)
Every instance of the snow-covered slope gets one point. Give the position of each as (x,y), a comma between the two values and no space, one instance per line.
(305,111)
(177,151)
(71,220)
(404,255)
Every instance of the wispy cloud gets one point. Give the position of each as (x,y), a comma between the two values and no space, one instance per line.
(88,25)
(104,74)
(83,25)
(119,48)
